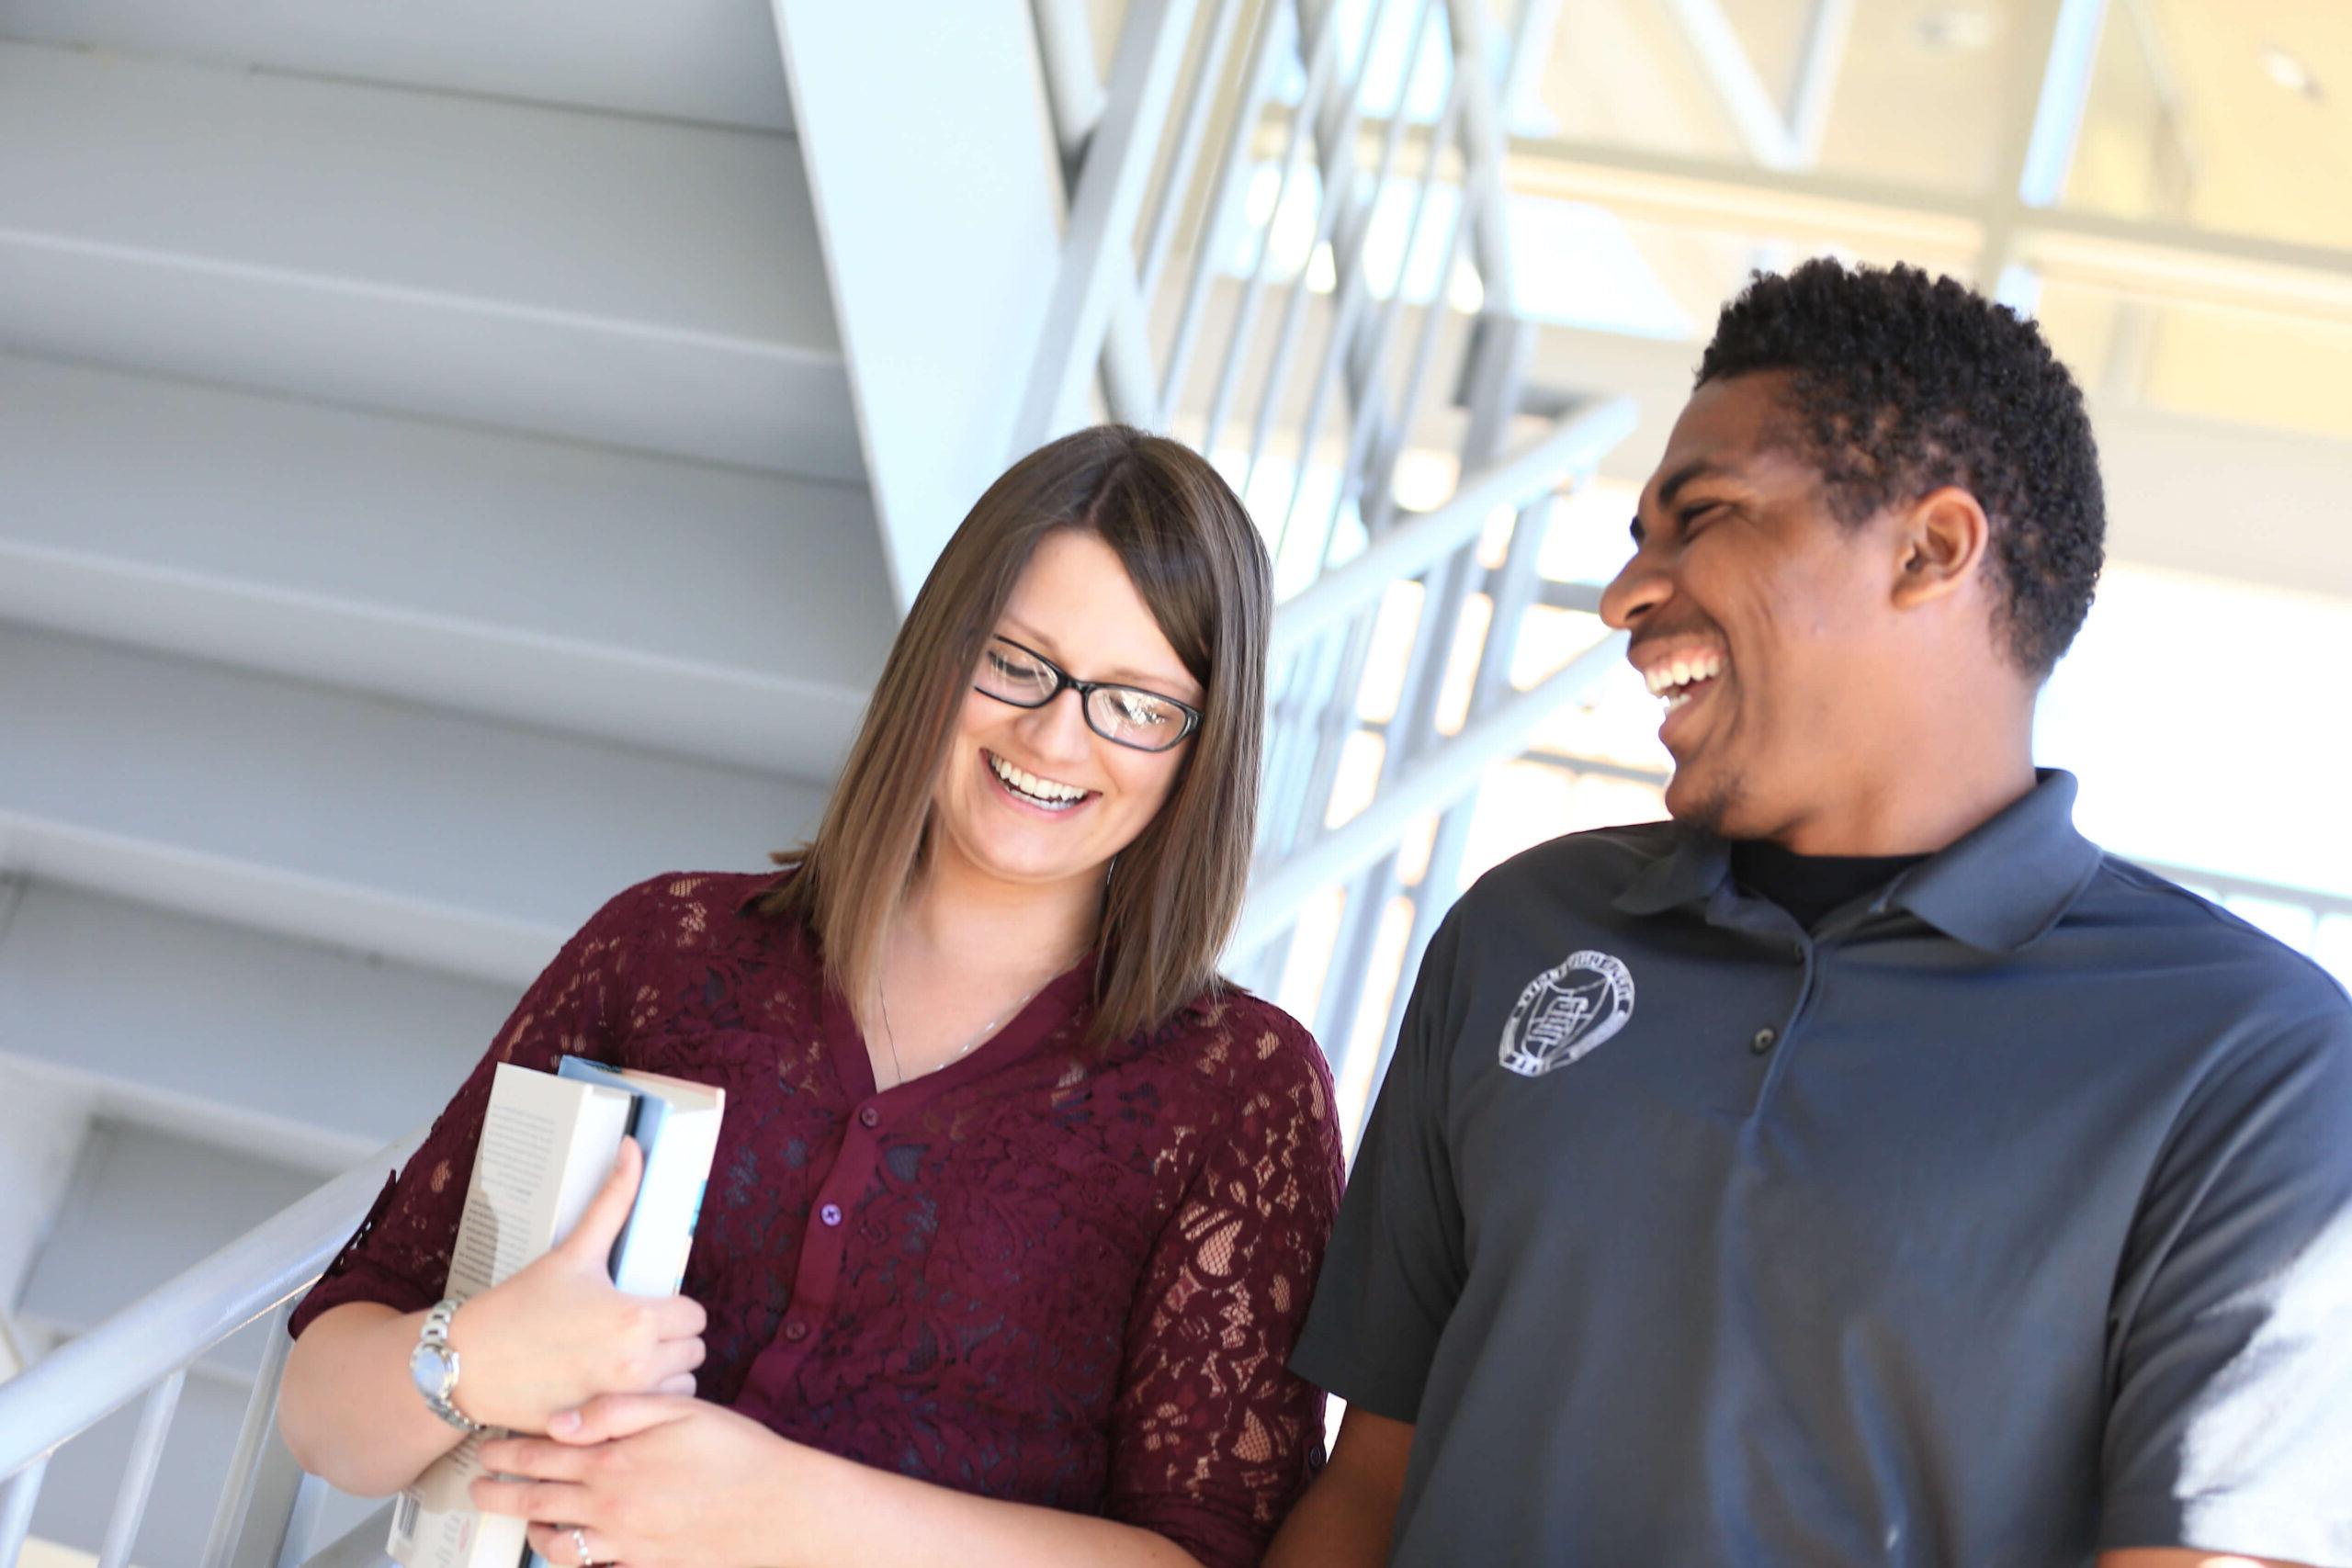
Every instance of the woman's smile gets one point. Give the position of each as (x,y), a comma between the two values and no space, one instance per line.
(1032,792)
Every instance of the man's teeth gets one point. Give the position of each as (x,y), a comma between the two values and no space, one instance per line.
(1045,792)
(1673,679)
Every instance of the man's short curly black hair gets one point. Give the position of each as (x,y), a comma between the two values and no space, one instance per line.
(1901,383)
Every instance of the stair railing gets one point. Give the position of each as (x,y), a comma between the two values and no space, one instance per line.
(269,1505)
(1348,255)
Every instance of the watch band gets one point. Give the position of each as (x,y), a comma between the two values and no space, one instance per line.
(435,1341)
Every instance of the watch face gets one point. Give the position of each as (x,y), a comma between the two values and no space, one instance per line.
(431,1370)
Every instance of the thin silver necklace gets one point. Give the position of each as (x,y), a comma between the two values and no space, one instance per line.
(891,1035)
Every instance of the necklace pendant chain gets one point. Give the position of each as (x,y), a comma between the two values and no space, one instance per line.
(891,1035)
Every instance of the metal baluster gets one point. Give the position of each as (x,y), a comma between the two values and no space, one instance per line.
(16,1500)
(301,1520)
(1334,176)
(1332,740)
(257,1464)
(1160,236)
(1497,370)
(1098,248)
(1321,54)
(1366,379)
(138,1473)
(1225,203)
(1353,283)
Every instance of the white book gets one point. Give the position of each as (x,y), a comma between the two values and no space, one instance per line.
(676,1126)
(548,1145)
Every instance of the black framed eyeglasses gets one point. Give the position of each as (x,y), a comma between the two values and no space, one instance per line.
(1128,716)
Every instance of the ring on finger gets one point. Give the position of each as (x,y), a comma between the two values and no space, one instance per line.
(579,1545)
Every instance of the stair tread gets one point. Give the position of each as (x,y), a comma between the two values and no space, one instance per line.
(652,284)
(233,1035)
(658,224)
(706,59)
(240,526)
(450,841)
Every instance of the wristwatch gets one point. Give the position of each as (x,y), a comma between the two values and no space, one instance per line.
(433,1367)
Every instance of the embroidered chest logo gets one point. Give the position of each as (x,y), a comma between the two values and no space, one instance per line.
(1566,1012)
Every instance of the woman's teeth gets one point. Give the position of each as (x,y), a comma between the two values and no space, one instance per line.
(1053,796)
(1673,681)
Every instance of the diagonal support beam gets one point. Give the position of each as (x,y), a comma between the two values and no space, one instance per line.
(1724,60)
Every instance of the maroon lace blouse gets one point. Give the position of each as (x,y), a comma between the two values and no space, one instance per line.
(1042,1273)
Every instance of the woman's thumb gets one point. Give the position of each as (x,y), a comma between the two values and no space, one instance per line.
(600,1223)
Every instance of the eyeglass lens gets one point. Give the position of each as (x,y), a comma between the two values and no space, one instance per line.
(1124,713)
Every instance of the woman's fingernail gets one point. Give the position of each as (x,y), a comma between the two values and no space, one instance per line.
(564,1421)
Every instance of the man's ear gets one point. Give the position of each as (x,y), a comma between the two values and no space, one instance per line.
(1940,545)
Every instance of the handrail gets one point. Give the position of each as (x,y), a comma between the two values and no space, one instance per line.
(1436,779)
(63,1394)
(1412,547)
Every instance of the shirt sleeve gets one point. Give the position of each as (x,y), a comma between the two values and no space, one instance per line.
(1397,1264)
(2230,1426)
(1211,1437)
(400,1255)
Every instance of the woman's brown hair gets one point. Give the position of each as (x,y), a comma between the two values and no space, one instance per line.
(1175,892)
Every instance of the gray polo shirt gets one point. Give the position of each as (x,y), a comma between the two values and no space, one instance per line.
(2005,1217)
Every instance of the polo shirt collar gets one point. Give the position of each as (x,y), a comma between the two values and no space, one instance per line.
(1698,864)
(1997,887)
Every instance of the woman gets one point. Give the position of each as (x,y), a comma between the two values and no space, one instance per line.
(1016,1207)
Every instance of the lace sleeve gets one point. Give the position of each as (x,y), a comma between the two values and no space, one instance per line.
(1212,1436)
(400,1255)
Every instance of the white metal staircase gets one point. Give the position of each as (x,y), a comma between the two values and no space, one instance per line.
(458,461)
(430,498)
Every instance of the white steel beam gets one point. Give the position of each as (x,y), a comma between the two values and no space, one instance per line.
(1819,57)
(1710,193)
(2058,107)
(1746,102)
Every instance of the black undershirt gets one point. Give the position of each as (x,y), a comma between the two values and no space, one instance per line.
(1809,887)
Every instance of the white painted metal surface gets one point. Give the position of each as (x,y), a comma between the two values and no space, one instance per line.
(711,61)
(648,601)
(939,319)
(228,1035)
(422,835)
(443,255)
(145,1207)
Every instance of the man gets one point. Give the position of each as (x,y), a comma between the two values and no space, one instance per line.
(1861,1168)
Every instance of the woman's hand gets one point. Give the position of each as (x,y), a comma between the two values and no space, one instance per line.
(557,1333)
(649,1481)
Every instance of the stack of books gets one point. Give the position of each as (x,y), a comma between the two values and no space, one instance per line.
(548,1142)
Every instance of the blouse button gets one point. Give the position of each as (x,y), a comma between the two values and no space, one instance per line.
(796,1331)
(869,1117)
(831,1213)
(1763,1040)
